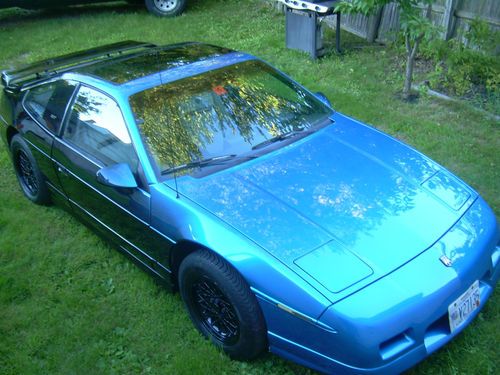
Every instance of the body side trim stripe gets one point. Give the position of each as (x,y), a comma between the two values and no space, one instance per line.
(37,148)
(119,236)
(141,262)
(105,196)
(162,235)
(292,311)
(51,186)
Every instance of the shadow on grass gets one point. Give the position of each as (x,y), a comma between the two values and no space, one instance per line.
(14,16)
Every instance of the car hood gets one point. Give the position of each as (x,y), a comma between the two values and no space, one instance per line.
(345,204)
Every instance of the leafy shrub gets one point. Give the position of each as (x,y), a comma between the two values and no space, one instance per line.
(466,70)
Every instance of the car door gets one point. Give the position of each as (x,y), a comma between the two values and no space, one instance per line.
(95,136)
(40,117)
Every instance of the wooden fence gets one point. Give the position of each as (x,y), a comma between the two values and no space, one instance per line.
(451,16)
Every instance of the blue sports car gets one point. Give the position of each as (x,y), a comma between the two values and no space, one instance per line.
(285,226)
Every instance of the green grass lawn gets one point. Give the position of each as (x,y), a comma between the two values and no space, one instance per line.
(71,304)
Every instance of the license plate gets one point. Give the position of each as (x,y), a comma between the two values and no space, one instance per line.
(460,309)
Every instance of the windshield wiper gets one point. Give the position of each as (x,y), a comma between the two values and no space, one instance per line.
(199,163)
(279,137)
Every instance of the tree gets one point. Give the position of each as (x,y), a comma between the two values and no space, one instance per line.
(415,26)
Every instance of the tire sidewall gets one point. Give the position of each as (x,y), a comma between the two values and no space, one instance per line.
(179,8)
(42,195)
(252,332)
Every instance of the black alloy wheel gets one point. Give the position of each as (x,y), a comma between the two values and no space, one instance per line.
(215,312)
(28,174)
(221,305)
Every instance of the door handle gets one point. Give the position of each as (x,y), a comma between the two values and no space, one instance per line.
(62,170)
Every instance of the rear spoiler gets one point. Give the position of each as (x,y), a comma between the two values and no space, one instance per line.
(14,79)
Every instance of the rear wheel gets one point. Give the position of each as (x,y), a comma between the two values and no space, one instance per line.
(221,305)
(166,8)
(28,174)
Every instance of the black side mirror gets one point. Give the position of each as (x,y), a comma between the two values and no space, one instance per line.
(117,175)
(323,98)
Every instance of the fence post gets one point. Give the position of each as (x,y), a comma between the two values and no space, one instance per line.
(373,25)
(449,18)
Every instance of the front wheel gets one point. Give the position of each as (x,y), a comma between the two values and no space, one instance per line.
(221,305)
(166,8)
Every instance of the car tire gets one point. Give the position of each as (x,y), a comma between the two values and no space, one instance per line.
(221,305)
(166,8)
(27,172)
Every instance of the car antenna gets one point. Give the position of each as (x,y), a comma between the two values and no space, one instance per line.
(176,188)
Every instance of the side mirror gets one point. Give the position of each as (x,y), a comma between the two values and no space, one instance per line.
(323,98)
(117,175)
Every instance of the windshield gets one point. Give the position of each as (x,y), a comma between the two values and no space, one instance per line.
(223,112)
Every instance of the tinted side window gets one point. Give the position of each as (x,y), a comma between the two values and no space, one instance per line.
(47,103)
(96,126)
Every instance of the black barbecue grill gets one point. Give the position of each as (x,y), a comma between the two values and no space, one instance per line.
(303,26)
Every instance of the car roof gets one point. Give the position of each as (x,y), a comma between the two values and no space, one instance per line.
(125,68)
(129,74)
(122,69)
(116,64)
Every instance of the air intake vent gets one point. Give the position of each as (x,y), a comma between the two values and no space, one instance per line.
(437,331)
(396,345)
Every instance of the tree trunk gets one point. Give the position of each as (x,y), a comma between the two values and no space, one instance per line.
(409,76)
(411,52)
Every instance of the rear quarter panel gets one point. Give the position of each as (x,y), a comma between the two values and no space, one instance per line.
(6,114)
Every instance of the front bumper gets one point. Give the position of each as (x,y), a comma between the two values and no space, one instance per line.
(399,320)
